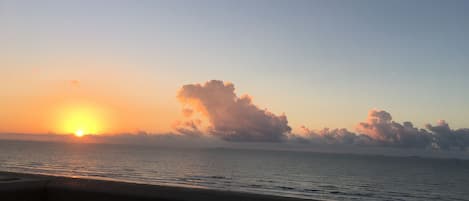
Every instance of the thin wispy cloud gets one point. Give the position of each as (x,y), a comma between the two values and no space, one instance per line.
(74,83)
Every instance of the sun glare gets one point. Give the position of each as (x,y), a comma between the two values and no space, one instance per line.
(79,133)
(81,119)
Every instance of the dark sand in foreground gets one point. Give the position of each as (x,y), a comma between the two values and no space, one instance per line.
(33,187)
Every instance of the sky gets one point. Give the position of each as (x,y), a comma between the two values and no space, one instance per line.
(126,66)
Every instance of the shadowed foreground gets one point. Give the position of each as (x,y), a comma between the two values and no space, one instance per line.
(29,187)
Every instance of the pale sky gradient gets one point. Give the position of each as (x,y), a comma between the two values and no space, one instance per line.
(322,63)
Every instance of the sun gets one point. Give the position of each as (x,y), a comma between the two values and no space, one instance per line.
(79,133)
(81,119)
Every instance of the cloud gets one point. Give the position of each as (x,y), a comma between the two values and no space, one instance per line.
(74,83)
(187,112)
(155,139)
(214,109)
(228,116)
(214,113)
(447,138)
(380,130)
(380,127)
(137,138)
(333,136)
(189,127)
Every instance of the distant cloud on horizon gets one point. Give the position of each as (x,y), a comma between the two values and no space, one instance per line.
(238,119)
(213,114)
(380,130)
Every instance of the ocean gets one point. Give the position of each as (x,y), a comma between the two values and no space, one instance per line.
(286,173)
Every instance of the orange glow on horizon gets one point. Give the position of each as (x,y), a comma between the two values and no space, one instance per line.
(81,118)
(97,108)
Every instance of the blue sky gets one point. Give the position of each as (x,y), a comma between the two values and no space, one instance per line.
(322,63)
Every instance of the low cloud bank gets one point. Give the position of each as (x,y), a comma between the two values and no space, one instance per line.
(137,138)
(213,108)
(214,115)
(160,139)
(379,129)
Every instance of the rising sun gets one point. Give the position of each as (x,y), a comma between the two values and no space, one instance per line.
(79,133)
(81,119)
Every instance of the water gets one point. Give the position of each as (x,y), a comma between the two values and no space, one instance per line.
(294,174)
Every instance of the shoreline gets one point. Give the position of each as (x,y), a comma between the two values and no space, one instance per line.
(37,187)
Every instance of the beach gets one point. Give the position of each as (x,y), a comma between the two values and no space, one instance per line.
(35,187)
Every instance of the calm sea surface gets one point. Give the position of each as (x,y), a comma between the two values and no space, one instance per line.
(294,174)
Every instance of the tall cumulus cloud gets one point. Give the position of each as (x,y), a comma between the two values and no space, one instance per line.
(228,116)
